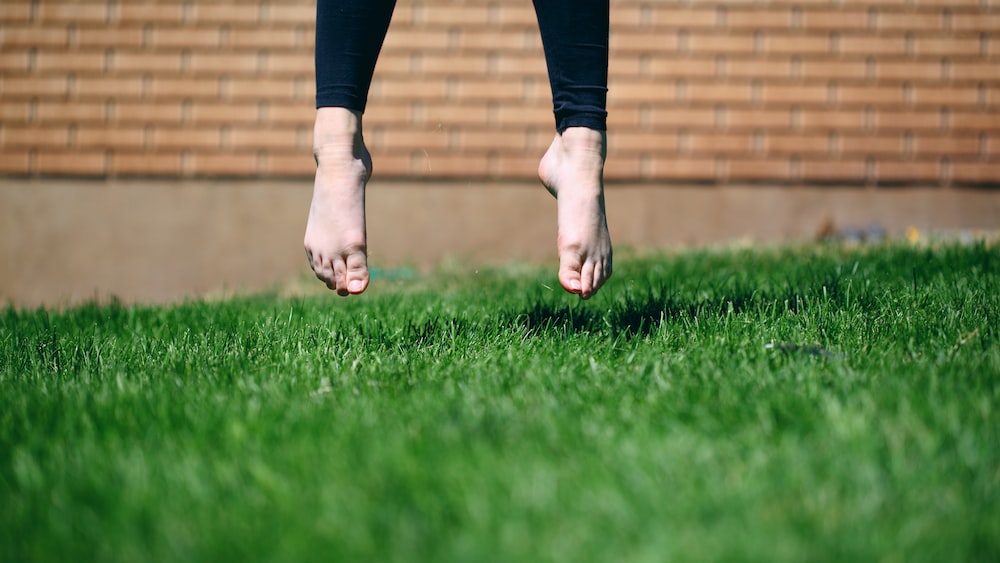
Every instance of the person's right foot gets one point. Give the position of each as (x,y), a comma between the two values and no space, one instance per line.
(573,171)
(336,239)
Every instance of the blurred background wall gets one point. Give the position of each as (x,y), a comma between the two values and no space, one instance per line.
(748,110)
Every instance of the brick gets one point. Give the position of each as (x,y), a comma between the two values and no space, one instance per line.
(295,165)
(802,94)
(151,112)
(232,63)
(277,89)
(13,112)
(293,14)
(832,170)
(743,118)
(162,13)
(978,21)
(430,165)
(975,121)
(895,120)
(864,45)
(158,163)
(256,138)
(31,136)
(945,95)
(224,164)
(73,12)
(946,46)
(682,117)
(480,140)
(202,136)
(659,141)
(976,172)
(401,139)
(671,67)
(392,114)
(70,61)
(513,166)
(297,114)
(643,41)
(530,64)
(71,163)
(771,18)
(757,68)
(729,43)
(461,114)
(33,86)
(33,36)
(917,71)
(16,162)
(759,169)
(446,15)
(720,143)
(139,62)
(494,40)
(516,15)
(226,113)
(93,136)
(104,37)
(834,20)
(52,112)
(15,13)
(910,21)
(946,145)
(987,72)
(470,89)
(623,167)
(263,38)
(863,145)
(396,89)
(183,87)
(909,171)
(840,119)
(286,64)
(683,168)
(833,69)
(634,92)
(176,38)
(443,64)
(852,95)
(103,87)
(407,40)
(796,45)
(803,144)
(15,63)
(204,12)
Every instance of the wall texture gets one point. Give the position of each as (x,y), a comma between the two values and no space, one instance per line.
(783,91)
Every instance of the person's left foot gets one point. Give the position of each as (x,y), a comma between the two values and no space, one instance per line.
(573,171)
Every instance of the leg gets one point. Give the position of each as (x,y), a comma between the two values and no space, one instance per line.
(349,35)
(575,39)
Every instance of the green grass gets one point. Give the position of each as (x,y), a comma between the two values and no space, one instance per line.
(487,417)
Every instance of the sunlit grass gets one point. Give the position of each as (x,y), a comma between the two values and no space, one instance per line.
(807,403)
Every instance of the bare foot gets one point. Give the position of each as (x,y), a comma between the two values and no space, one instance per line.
(573,171)
(336,240)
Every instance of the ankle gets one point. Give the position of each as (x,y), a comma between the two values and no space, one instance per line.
(585,140)
(337,128)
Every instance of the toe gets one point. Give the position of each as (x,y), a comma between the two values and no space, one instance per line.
(357,272)
(587,280)
(569,273)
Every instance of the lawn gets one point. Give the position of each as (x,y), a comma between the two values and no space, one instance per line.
(806,403)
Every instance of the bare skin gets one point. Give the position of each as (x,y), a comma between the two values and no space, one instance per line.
(573,171)
(336,239)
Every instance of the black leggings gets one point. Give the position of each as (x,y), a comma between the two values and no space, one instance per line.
(349,36)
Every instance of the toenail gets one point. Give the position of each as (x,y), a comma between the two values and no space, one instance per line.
(354,285)
(575,285)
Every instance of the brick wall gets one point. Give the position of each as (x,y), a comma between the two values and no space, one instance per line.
(815,91)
